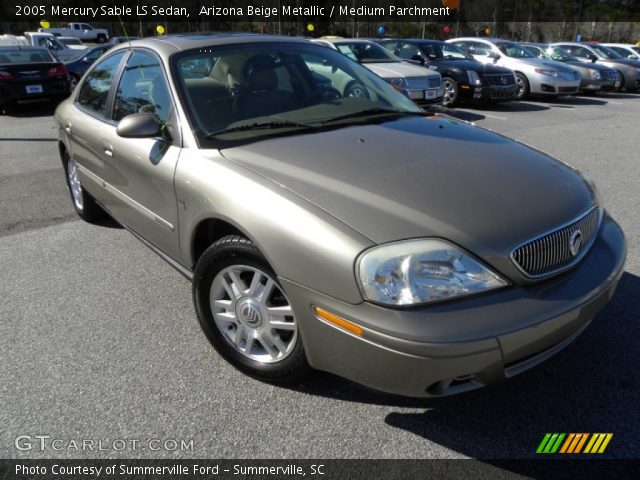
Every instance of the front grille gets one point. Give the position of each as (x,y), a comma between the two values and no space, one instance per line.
(422,83)
(566,75)
(610,75)
(552,252)
(500,79)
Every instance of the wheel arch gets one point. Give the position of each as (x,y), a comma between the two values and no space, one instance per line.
(209,230)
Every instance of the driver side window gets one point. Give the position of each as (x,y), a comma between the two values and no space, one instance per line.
(143,88)
(478,48)
(408,51)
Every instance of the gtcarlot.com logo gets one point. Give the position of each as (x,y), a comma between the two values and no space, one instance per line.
(47,442)
(572,443)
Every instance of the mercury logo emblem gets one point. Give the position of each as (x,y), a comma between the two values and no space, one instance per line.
(575,242)
(249,313)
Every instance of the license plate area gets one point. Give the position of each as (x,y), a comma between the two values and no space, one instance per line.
(34,88)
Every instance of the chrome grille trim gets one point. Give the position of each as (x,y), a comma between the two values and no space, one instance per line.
(549,253)
(422,83)
(611,75)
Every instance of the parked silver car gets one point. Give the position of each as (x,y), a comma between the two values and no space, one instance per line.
(416,82)
(625,50)
(413,253)
(593,77)
(629,69)
(534,75)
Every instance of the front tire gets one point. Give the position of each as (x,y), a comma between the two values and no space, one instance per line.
(523,86)
(356,90)
(450,92)
(101,38)
(83,203)
(245,313)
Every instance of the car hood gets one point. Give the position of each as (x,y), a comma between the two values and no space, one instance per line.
(590,66)
(538,63)
(425,177)
(474,65)
(620,61)
(399,70)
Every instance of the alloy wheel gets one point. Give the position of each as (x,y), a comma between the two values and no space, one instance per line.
(253,314)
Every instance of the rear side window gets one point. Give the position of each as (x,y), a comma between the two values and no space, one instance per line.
(143,88)
(95,89)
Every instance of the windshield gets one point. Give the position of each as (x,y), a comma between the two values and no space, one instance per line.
(559,55)
(366,52)
(605,52)
(249,91)
(513,50)
(91,54)
(443,51)
(71,41)
(24,55)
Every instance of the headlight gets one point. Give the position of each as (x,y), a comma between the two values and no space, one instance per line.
(473,77)
(595,74)
(422,271)
(547,71)
(397,83)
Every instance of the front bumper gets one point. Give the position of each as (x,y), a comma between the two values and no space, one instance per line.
(489,92)
(430,95)
(461,345)
(548,85)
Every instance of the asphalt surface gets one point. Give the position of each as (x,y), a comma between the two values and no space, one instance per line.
(99,340)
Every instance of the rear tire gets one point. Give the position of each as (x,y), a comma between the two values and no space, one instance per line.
(83,203)
(101,38)
(245,313)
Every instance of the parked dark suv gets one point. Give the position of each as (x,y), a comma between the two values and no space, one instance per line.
(462,76)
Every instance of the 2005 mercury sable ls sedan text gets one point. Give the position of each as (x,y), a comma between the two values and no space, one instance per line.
(410,252)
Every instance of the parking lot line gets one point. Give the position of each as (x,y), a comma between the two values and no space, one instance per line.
(495,116)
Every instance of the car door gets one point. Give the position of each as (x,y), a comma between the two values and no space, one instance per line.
(86,122)
(140,171)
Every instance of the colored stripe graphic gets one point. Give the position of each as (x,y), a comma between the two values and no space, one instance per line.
(574,443)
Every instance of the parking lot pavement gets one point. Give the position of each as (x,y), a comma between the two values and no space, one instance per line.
(99,341)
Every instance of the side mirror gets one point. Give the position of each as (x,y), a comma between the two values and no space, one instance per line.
(139,125)
(593,58)
(86,60)
(632,57)
(492,54)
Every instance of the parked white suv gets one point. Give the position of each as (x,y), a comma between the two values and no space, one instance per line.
(534,75)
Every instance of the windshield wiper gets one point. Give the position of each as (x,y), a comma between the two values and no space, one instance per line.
(259,126)
(371,112)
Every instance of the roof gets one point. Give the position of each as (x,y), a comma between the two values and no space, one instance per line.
(346,40)
(187,41)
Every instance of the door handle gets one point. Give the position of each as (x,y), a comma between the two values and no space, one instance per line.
(108,148)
